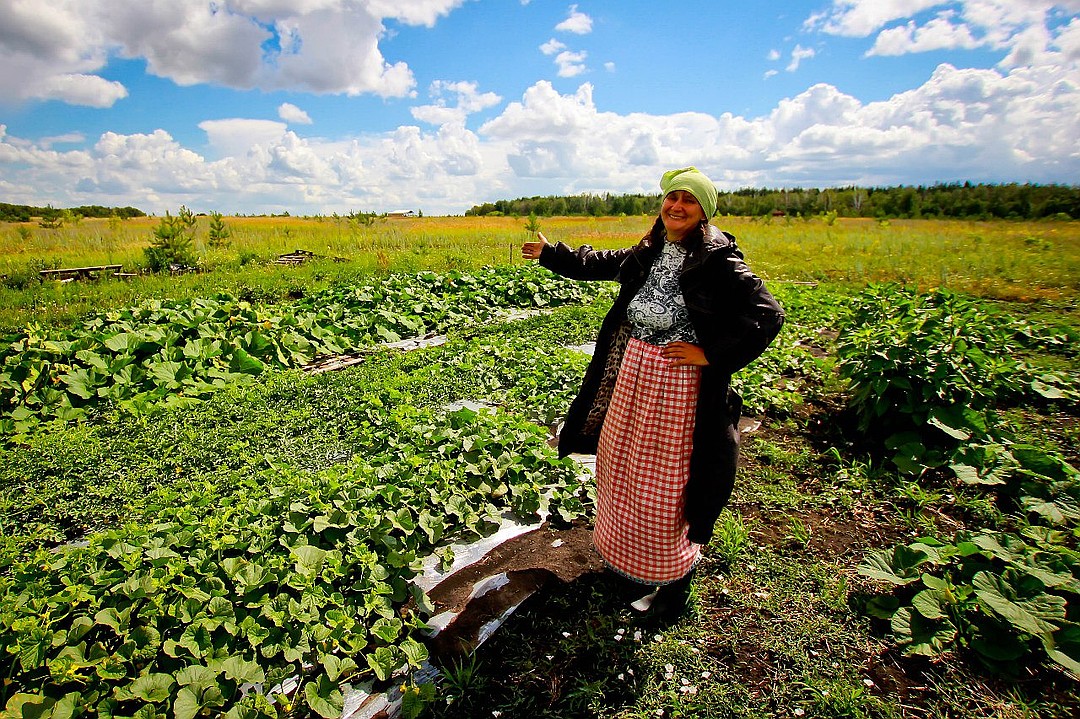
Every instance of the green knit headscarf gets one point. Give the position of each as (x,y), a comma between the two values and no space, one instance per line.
(693,181)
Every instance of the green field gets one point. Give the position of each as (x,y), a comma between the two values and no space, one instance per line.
(186,511)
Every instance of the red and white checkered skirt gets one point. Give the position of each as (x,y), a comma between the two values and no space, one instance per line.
(642,464)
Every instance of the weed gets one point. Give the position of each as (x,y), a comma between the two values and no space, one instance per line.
(730,537)
(798,533)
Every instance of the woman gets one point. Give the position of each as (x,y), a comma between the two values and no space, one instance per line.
(655,405)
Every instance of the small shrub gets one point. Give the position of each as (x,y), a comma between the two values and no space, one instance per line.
(219,234)
(171,243)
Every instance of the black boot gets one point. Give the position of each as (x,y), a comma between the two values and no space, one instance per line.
(671,599)
(627,589)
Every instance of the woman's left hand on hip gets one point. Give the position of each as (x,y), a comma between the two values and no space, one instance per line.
(684,353)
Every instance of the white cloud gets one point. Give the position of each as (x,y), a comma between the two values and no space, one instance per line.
(1020,27)
(609,66)
(292,114)
(1008,123)
(774,55)
(859,18)
(568,62)
(576,22)
(571,64)
(467,99)
(552,46)
(236,136)
(799,54)
(938,34)
(55,50)
(69,138)
(80,89)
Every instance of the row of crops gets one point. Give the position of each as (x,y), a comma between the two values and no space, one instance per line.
(928,375)
(212,533)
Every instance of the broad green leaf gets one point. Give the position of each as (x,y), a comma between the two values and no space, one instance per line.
(387,629)
(244,363)
(28,706)
(415,652)
(78,629)
(170,375)
(117,621)
(324,697)
(152,687)
(241,670)
(82,382)
(123,342)
(1064,649)
(383,662)
(931,603)
(335,667)
(897,566)
(188,703)
(1033,612)
(1056,511)
(197,676)
(919,635)
(309,559)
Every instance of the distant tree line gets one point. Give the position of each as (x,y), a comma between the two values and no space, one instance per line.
(26,213)
(967,200)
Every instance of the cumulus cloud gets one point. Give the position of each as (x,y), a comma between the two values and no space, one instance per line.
(236,136)
(986,124)
(576,22)
(1022,28)
(55,50)
(464,98)
(938,34)
(1016,121)
(292,114)
(552,47)
(567,62)
(859,18)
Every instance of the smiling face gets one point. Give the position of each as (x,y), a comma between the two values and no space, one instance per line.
(680,214)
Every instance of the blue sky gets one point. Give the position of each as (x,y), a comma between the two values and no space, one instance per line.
(321,106)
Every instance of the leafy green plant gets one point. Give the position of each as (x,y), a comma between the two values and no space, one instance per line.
(1034,481)
(1002,597)
(907,355)
(730,538)
(179,352)
(292,574)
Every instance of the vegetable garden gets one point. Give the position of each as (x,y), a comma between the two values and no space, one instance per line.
(194,526)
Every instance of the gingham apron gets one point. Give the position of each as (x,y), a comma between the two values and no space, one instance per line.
(642,464)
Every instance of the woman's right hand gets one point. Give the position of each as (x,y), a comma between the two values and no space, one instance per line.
(531,250)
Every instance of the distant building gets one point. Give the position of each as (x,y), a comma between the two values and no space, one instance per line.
(397,214)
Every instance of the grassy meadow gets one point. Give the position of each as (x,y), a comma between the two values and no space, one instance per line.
(998,260)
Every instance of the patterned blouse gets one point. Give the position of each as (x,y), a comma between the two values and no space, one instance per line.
(658,312)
